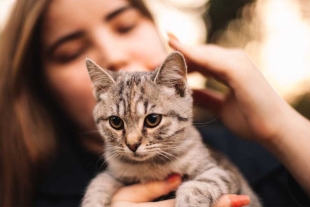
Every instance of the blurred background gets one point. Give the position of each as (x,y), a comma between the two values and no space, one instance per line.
(274,33)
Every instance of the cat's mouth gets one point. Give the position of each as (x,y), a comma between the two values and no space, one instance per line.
(140,156)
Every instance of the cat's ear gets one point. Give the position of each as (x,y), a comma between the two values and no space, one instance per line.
(172,73)
(101,78)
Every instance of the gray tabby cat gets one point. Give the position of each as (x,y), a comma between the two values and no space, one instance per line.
(145,119)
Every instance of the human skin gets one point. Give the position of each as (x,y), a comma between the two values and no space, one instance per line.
(117,37)
(252,109)
(125,41)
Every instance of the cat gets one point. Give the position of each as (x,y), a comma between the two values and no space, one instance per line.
(145,119)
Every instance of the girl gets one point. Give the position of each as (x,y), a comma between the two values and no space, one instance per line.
(49,149)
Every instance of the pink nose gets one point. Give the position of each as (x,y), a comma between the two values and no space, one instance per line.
(133,147)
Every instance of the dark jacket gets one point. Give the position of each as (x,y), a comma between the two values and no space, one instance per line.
(69,174)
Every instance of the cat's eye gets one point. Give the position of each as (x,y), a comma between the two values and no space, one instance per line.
(152,120)
(116,122)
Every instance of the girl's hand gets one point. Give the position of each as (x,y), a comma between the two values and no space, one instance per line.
(142,195)
(252,109)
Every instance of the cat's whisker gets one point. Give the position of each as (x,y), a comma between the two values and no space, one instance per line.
(178,150)
(173,147)
(119,155)
(201,124)
(98,86)
(163,155)
(169,154)
(114,155)
(107,159)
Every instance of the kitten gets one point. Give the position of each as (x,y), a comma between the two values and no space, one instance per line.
(145,119)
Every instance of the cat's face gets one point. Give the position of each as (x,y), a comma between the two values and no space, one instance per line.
(143,115)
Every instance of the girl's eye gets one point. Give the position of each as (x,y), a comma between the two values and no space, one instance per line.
(126,21)
(69,51)
(152,120)
(116,122)
(68,57)
(125,29)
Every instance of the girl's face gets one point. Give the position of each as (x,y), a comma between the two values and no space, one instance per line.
(112,33)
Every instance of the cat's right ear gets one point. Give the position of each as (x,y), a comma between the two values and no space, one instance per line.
(172,73)
(100,77)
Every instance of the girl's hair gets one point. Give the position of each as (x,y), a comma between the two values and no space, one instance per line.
(28,136)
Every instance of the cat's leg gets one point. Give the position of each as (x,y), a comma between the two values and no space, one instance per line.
(206,188)
(100,191)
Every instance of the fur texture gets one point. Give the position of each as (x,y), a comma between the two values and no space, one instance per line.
(145,119)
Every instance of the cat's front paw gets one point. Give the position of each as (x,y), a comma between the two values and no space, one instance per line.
(94,203)
(100,191)
(195,194)
(87,202)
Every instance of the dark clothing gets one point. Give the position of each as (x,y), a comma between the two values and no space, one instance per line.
(70,173)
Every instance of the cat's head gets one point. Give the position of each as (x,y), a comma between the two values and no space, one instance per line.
(143,115)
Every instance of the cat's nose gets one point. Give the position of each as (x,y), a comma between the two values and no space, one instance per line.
(133,147)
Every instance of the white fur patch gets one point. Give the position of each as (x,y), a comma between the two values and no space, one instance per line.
(103,96)
(121,110)
(168,91)
(140,109)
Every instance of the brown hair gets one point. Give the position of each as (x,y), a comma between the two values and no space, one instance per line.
(28,138)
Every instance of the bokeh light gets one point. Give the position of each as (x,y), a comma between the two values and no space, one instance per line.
(183,19)
(276,35)
(5,8)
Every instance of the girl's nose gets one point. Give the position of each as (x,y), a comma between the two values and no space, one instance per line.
(115,57)
(112,53)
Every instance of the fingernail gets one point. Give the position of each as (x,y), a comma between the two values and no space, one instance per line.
(239,200)
(172,36)
(173,178)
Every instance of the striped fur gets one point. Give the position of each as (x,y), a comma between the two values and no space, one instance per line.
(174,146)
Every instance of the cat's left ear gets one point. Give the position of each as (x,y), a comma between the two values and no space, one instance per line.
(172,73)
(101,78)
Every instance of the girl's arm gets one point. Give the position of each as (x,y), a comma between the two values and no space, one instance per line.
(252,109)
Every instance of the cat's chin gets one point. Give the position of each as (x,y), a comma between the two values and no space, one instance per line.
(138,157)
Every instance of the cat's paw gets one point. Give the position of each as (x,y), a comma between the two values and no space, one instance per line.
(88,203)
(193,194)
(100,191)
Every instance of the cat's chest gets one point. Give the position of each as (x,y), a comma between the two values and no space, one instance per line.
(128,173)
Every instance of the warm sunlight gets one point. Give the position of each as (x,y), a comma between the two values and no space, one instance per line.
(180,18)
(5,6)
(183,19)
(285,47)
(177,17)
(276,35)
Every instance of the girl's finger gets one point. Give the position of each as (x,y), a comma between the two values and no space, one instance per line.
(233,201)
(239,200)
(206,56)
(148,191)
(209,60)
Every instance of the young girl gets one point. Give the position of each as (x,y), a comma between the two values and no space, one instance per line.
(49,145)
